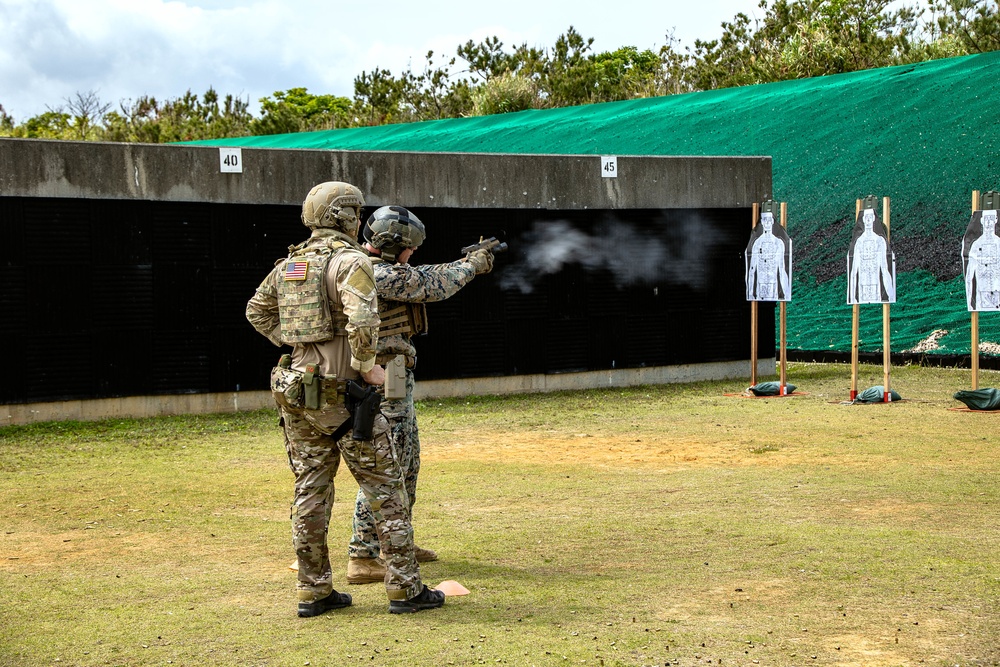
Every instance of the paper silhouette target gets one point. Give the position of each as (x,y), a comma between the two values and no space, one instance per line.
(768,260)
(981,262)
(871,264)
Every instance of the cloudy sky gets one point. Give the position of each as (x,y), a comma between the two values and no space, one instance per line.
(50,50)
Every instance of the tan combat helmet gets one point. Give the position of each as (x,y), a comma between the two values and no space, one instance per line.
(333,205)
(393,229)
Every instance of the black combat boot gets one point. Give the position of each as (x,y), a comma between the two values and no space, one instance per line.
(334,600)
(428,598)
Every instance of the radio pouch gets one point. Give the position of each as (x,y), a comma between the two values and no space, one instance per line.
(312,387)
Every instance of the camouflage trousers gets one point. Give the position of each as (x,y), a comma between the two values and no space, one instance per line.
(314,458)
(405,439)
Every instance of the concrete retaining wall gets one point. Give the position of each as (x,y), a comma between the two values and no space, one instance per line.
(158,406)
(90,170)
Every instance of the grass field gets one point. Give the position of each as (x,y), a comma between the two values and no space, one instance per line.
(646,526)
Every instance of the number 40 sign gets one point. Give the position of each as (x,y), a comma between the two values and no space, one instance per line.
(231,160)
(609,166)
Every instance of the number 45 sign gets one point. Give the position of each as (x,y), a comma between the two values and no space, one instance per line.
(609,166)
(231,160)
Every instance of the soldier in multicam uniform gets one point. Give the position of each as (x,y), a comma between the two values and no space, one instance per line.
(391,235)
(321,300)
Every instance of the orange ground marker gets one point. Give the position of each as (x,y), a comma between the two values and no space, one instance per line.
(452,588)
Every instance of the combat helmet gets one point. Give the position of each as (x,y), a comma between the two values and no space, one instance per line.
(393,229)
(334,205)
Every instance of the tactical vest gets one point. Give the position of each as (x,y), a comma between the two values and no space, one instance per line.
(303,302)
(400,317)
(407,319)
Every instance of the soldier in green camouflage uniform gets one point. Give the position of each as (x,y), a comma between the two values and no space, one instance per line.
(321,299)
(391,235)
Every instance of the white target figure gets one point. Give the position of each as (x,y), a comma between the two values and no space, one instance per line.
(768,262)
(871,265)
(982,263)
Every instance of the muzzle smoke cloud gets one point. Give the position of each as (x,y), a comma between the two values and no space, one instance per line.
(632,256)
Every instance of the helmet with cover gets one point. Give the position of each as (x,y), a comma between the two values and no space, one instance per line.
(393,229)
(333,205)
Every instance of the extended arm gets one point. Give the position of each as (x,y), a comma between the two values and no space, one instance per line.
(752,269)
(970,274)
(888,280)
(425,283)
(782,272)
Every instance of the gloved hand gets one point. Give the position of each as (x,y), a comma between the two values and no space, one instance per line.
(481,260)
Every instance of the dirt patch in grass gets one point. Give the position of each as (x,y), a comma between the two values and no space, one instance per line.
(602,450)
(45,550)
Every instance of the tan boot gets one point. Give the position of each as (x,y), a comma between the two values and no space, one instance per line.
(424,555)
(365,570)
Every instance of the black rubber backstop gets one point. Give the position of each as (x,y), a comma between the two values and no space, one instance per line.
(107,298)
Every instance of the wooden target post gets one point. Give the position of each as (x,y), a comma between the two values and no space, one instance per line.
(974,315)
(754,217)
(782,320)
(886,347)
(989,201)
(856,318)
(756,214)
(855,326)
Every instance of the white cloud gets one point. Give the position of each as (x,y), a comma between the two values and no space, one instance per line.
(123,49)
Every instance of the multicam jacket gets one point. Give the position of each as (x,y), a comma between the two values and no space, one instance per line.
(351,305)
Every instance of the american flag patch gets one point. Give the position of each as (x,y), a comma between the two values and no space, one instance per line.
(296,270)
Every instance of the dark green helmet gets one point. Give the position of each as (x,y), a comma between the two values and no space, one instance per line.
(393,229)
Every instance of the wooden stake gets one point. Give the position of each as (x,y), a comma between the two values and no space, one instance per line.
(782,308)
(855,321)
(753,313)
(974,352)
(886,349)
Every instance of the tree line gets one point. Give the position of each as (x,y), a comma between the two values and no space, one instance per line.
(792,39)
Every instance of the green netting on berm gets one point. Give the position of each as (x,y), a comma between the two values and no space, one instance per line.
(925,135)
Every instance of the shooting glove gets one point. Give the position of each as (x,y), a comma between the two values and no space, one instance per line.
(481,260)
